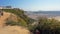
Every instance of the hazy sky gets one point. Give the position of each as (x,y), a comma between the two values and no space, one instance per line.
(32,5)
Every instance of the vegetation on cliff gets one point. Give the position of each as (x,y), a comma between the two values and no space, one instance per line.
(22,19)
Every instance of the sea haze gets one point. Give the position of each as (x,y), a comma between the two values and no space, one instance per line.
(35,14)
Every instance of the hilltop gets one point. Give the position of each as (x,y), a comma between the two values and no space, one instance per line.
(20,18)
(14,21)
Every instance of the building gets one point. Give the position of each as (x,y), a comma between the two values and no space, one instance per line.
(5,7)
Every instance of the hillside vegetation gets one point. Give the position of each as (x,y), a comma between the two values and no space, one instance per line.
(15,19)
(18,17)
(22,19)
(46,26)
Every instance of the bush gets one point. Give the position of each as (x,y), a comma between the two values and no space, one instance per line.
(46,25)
(12,23)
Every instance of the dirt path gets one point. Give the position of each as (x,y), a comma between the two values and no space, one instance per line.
(3,18)
(13,30)
(10,29)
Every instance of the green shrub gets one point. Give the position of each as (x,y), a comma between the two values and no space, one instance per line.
(12,23)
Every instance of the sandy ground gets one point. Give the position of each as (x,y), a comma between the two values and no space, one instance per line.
(13,30)
(3,18)
(10,29)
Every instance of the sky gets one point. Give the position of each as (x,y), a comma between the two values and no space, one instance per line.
(33,5)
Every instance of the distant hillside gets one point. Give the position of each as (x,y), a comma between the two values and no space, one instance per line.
(44,12)
(35,14)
